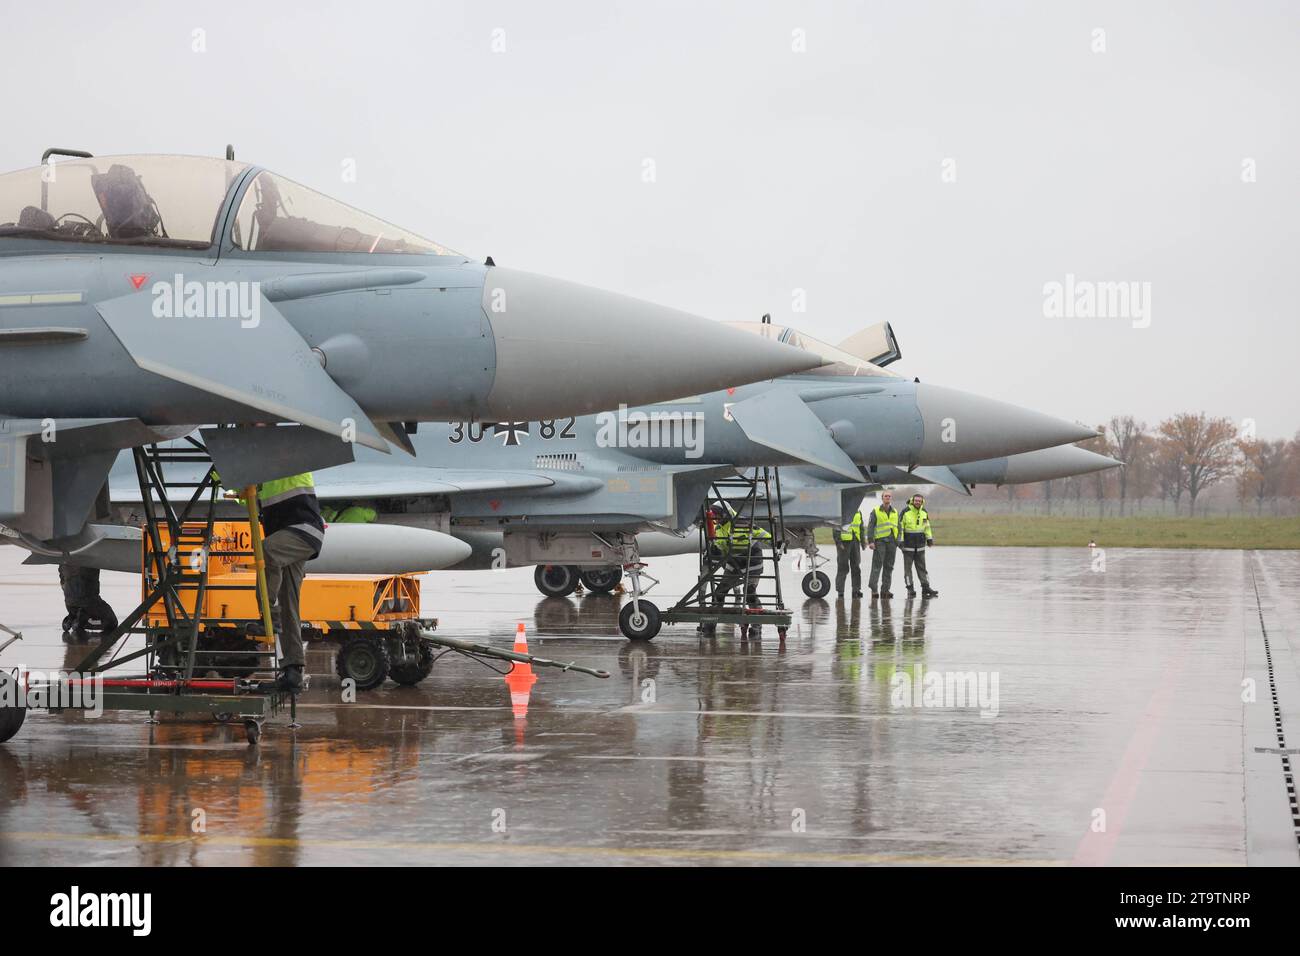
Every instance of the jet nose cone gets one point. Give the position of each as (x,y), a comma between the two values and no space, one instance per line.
(960,426)
(1048,464)
(610,349)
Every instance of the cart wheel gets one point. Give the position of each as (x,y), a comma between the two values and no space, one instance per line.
(410,672)
(601,580)
(253,731)
(780,632)
(816,584)
(364,659)
(744,632)
(639,621)
(223,717)
(11,716)
(556,580)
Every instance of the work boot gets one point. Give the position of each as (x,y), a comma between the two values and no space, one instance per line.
(857,594)
(874,595)
(290,678)
(911,591)
(887,595)
(929,592)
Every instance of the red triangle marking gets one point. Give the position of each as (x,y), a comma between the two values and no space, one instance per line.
(494,505)
(138,280)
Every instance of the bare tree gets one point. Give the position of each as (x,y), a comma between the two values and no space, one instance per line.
(1207,447)
(1126,441)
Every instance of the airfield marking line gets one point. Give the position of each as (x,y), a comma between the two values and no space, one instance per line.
(695,759)
(775,856)
(815,715)
(396,707)
(1095,848)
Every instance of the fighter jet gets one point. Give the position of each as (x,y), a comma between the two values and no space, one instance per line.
(560,493)
(142,296)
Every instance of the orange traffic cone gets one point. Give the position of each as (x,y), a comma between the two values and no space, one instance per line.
(520,679)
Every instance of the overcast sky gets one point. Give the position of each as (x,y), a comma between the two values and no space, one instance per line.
(933,164)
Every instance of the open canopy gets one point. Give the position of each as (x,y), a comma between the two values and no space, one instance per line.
(840,361)
(176,201)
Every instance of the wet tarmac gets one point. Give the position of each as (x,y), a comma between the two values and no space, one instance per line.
(1081,715)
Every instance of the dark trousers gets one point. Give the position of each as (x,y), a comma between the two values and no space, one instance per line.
(848,557)
(733,573)
(86,609)
(918,558)
(286,554)
(882,563)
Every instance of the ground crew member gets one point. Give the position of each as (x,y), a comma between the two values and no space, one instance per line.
(295,531)
(914,525)
(882,539)
(88,613)
(848,555)
(740,549)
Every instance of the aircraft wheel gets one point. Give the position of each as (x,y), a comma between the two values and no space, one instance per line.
(639,621)
(411,671)
(364,659)
(252,731)
(816,584)
(556,580)
(11,715)
(601,580)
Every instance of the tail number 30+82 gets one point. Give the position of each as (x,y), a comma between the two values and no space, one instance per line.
(547,430)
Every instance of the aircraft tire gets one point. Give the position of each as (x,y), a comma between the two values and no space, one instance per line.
(556,580)
(816,584)
(601,580)
(639,621)
(11,717)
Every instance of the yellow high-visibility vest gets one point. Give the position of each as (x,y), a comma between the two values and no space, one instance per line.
(886,524)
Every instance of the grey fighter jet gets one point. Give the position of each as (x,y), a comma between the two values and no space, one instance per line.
(141,296)
(573,492)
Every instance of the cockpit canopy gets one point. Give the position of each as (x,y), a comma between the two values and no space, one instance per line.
(278,215)
(175,201)
(841,362)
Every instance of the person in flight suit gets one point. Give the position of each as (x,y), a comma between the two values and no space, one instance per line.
(882,538)
(848,555)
